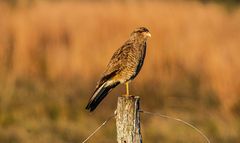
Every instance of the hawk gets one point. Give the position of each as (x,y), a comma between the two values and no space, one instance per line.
(123,67)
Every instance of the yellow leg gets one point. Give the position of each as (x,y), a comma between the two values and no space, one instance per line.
(127,88)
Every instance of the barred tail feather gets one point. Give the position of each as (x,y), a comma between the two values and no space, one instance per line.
(99,95)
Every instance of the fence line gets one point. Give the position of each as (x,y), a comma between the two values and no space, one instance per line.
(179,120)
(98,128)
(153,114)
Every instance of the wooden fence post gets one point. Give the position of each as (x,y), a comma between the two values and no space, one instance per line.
(128,120)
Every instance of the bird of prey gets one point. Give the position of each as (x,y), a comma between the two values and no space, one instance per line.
(123,67)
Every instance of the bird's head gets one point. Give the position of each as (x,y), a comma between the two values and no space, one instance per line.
(141,32)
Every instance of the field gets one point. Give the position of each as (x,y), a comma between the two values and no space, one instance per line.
(53,53)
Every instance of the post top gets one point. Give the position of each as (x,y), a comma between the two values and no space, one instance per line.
(129,96)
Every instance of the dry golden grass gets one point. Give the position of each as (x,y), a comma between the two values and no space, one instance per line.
(79,38)
(194,52)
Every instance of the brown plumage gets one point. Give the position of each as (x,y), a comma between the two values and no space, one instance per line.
(124,66)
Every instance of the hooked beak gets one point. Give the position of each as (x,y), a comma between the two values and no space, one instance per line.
(148,34)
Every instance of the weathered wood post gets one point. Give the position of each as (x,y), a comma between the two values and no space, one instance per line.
(128,120)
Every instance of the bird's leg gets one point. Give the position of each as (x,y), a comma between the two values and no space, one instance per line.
(127,89)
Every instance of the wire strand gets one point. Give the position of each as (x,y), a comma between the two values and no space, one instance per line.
(179,120)
(98,128)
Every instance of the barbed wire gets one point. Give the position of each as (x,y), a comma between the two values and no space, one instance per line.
(179,120)
(98,128)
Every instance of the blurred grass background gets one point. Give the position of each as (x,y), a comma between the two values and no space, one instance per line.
(53,52)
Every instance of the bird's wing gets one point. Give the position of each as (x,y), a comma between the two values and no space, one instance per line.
(116,63)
